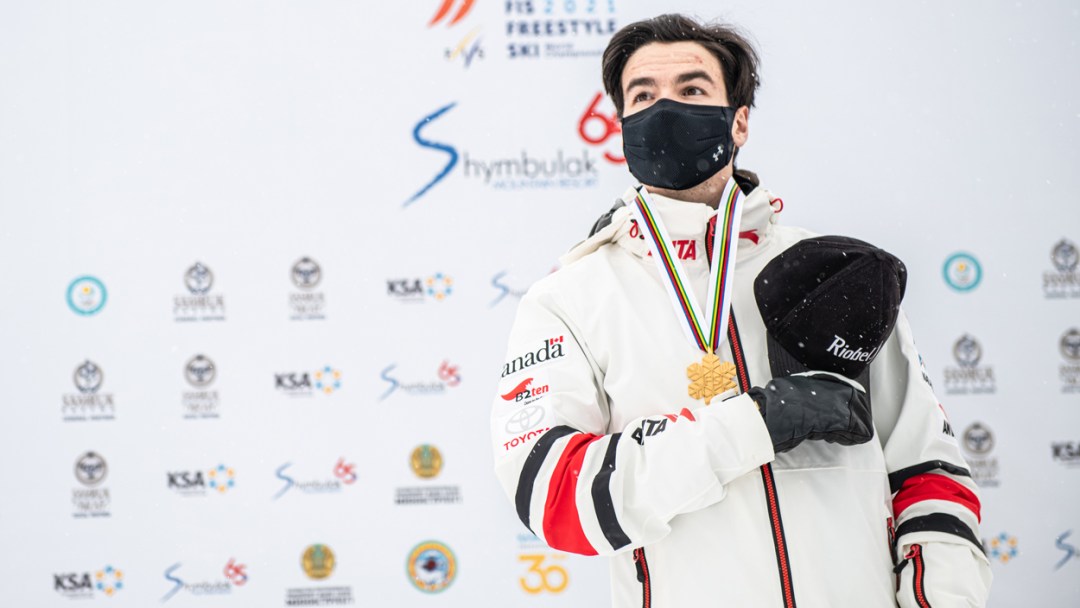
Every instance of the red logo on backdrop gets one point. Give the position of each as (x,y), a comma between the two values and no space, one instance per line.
(596,128)
(235,572)
(449,374)
(345,471)
(444,10)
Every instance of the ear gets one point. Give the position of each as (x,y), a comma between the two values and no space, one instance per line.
(740,131)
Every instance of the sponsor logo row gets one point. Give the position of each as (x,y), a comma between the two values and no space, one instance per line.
(963,272)
(431,567)
(973,375)
(92,498)
(90,401)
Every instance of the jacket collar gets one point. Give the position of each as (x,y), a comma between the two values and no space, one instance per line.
(683,221)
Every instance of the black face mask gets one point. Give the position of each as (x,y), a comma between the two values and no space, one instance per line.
(677,145)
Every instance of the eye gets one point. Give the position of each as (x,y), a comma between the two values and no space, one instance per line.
(642,96)
(693,91)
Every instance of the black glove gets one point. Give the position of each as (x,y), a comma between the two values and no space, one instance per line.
(818,406)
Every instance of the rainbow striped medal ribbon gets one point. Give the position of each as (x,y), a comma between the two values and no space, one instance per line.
(711,376)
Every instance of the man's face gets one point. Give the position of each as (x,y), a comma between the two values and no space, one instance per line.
(686,72)
(680,71)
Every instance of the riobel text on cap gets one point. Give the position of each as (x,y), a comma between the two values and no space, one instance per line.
(839,348)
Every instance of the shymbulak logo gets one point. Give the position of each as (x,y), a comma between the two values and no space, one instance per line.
(318,563)
(968,376)
(344,474)
(1069,371)
(427,462)
(199,482)
(423,142)
(498,282)
(431,566)
(306,303)
(1069,549)
(88,401)
(559,29)
(978,442)
(198,304)
(86,295)
(235,575)
(202,400)
(325,380)
(962,272)
(1064,280)
(447,376)
(1002,547)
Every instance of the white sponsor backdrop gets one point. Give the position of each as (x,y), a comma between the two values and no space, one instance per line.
(140,138)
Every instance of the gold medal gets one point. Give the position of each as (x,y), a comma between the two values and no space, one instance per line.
(710,378)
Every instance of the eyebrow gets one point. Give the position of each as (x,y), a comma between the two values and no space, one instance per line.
(646,81)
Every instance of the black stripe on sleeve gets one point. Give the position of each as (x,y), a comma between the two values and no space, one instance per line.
(897,478)
(939,522)
(601,495)
(523,498)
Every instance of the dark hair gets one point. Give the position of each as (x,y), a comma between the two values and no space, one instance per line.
(737,57)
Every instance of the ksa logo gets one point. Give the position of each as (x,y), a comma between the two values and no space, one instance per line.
(446,149)
(1003,548)
(198,483)
(326,380)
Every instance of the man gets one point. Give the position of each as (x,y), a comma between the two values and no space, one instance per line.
(645,412)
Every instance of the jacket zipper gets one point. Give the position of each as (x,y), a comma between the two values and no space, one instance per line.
(917,582)
(776,524)
(643,577)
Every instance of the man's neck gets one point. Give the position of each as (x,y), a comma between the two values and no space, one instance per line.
(707,192)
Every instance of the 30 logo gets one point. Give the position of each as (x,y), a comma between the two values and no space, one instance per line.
(962,272)
(596,128)
(318,561)
(200,371)
(198,279)
(306,273)
(539,578)
(432,566)
(86,295)
(91,469)
(445,8)
(426,461)
(425,143)
(88,377)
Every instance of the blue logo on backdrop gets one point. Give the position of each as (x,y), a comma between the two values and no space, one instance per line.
(86,295)
(962,271)
(424,143)
(1070,550)
(503,289)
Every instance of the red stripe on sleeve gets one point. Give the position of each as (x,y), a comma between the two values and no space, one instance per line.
(562,526)
(930,486)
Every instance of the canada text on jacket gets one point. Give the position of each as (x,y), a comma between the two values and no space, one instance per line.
(552,349)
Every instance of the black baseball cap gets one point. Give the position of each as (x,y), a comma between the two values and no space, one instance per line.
(829,303)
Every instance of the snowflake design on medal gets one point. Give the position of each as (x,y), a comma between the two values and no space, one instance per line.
(710,378)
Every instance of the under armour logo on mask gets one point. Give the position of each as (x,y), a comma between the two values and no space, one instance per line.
(719,151)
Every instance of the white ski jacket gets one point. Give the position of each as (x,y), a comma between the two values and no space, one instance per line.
(602,451)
